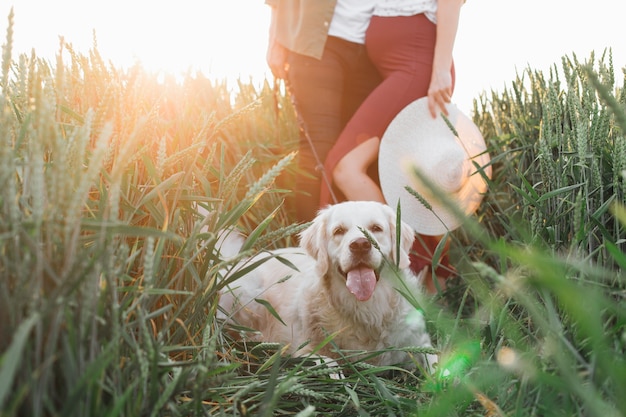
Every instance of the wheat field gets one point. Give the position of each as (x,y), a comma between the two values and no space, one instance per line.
(109,272)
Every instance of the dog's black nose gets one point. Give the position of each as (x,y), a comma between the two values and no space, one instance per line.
(360,245)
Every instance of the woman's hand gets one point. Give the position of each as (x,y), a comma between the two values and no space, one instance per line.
(439,92)
(440,89)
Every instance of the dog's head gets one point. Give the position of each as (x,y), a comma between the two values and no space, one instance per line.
(336,239)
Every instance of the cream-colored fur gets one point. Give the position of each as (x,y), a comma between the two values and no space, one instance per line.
(316,300)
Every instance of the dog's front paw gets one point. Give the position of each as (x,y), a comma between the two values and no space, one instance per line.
(330,364)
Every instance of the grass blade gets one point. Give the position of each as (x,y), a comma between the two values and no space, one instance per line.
(11,360)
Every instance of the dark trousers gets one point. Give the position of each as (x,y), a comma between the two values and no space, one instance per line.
(326,93)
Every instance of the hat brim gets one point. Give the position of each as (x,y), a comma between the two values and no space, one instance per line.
(413,139)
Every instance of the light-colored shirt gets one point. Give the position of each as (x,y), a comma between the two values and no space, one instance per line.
(351,19)
(407,8)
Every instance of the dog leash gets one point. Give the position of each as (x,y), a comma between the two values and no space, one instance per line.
(303,129)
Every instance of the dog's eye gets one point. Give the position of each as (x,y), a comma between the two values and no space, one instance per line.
(376,228)
(339,231)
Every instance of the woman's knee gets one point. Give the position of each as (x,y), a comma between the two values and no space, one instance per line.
(344,170)
(356,162)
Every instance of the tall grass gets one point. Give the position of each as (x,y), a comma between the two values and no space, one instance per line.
(116,183)
(108,276)
(553,262)
(562,155)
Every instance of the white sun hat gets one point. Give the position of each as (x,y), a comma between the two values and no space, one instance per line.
(415,141)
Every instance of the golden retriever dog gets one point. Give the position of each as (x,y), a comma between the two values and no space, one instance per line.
(346,284)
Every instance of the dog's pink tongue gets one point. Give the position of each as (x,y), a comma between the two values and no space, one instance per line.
(361,282)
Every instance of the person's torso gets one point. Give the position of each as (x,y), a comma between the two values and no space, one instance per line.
(304,25)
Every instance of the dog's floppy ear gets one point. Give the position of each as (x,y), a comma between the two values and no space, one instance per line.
(314,241)
(407,236)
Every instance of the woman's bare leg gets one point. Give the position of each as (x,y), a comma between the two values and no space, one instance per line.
(350,174)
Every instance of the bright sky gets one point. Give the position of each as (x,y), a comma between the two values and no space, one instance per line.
(226,39)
